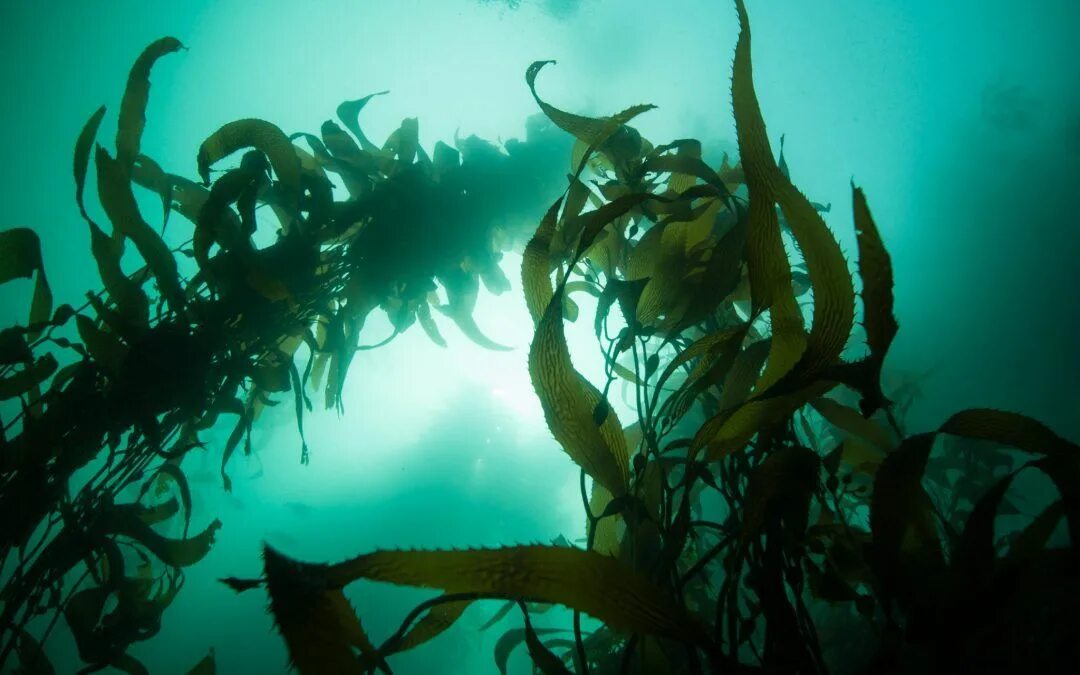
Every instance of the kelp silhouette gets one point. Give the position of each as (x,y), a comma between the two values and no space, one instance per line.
(833,519)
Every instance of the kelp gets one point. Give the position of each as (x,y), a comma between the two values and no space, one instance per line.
(20,257)
(750,508)
(132,117)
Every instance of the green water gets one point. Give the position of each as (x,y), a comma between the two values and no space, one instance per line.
(961,120)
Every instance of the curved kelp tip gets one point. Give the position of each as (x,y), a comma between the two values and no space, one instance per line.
(767,263)
(349,112)
(879,321)
(461,292)
(319,625)
(834,295)
(132,118)
(469,328)
(797,361)
(173,552)
(593,132)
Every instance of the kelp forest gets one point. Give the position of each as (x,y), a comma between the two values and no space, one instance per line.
(766,510)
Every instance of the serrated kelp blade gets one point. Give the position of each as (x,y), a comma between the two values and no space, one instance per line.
(834,293)
(875,270)
(587,581)
(570,401)
(768,266)
(318,624)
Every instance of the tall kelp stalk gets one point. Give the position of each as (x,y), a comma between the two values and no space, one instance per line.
(764,512)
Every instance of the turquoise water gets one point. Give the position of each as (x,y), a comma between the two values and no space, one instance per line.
(960,120)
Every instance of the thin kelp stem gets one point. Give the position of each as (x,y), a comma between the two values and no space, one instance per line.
(590,537)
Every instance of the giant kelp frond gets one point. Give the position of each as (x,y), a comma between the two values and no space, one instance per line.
(765,511)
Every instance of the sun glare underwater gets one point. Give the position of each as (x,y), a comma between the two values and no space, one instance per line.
(556,336)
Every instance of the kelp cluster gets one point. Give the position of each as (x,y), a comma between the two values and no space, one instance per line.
(765,512)
(92,464)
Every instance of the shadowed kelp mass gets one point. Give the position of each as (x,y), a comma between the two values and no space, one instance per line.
(765,511)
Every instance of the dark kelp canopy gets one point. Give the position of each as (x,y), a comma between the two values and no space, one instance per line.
(841,544)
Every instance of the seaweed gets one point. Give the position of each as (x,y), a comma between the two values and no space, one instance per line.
(765,501)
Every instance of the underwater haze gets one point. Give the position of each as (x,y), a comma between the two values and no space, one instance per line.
(960,120)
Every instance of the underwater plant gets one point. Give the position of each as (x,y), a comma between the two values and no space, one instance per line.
(765,512)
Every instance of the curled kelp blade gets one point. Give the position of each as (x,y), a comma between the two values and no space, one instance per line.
(125,520)
(577,414)
(171,471)
(592,132)
(587,581)
(462,289)
(262,136)
(834,293)
(589,130)
(536,265)
(543,658)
